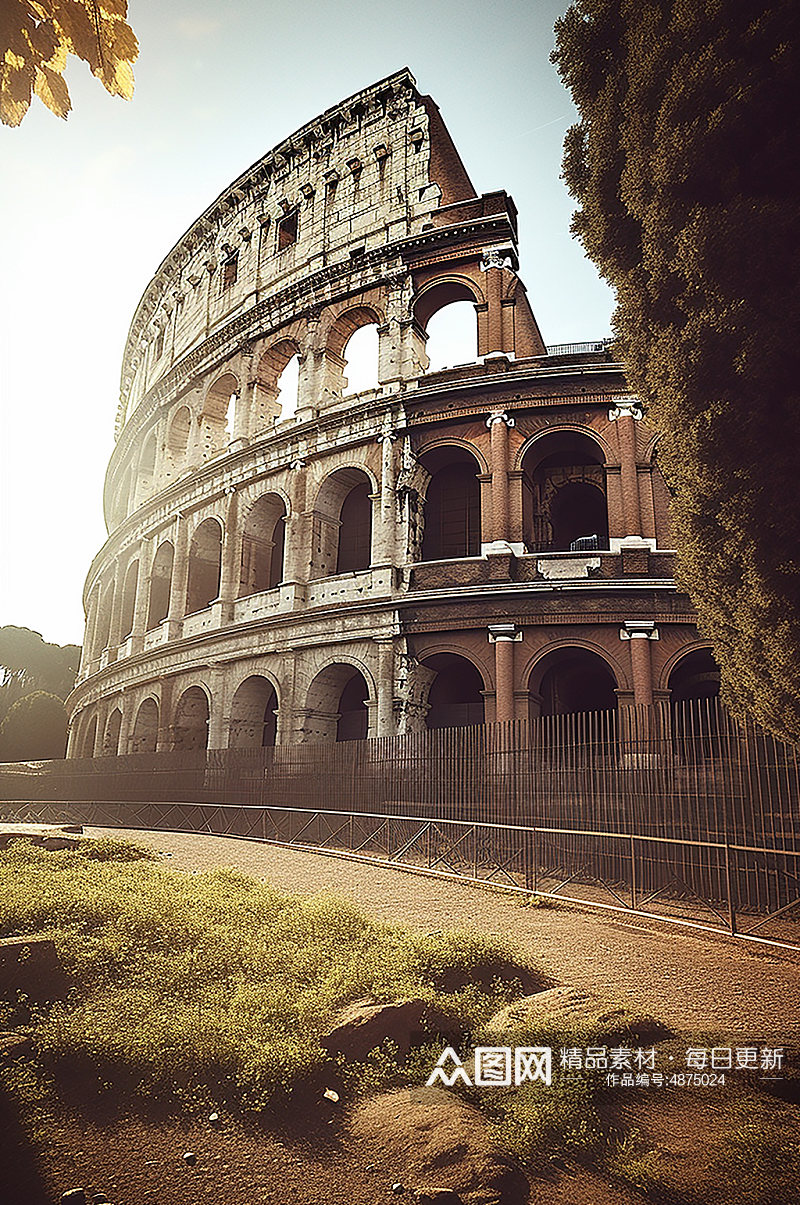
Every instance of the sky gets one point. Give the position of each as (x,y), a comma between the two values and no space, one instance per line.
(89,207)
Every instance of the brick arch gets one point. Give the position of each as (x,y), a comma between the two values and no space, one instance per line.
(217,396)
(112,733)
(443,290)
(609,457)
(581,683)
(455,695)
(686,650)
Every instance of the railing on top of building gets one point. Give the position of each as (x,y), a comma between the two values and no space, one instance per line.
(578,349)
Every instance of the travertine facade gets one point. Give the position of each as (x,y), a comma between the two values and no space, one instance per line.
(481,542)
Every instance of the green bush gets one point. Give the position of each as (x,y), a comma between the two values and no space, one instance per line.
(34,729)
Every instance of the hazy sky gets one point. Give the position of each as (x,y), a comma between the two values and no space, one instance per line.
(90,207)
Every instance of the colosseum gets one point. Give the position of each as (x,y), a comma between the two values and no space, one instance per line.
(298,553)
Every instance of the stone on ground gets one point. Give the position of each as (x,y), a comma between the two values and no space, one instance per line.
(364,1025)
(579,1009)
(432,1141)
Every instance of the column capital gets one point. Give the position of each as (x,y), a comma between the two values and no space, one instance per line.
(386,437)
(504,631)
(639,629)
(500,416)
(626,407)
(498,257)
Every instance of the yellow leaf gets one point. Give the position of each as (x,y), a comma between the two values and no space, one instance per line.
(52,89)
(15,95)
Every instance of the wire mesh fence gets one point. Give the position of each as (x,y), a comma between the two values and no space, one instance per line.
(679,802)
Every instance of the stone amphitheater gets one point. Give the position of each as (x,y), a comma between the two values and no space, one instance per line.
(297,555)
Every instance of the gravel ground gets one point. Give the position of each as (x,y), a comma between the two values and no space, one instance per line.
(691,981)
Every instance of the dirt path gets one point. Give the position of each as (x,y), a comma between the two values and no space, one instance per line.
(692,982)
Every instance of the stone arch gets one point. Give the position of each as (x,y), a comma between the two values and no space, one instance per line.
(452,507)
(89,736)
(269,404)
(571,678)
(178,432)
(112,734)
(456,694)
(160,584)
(254,720)
(205,565)
(190,725)
(345,325)
(217,418)
(342,525)
(263,540)
(128,602)
(144,738)
(564,499)
(104,613)
(337,704)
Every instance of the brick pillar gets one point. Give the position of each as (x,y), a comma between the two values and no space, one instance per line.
(626,414)
(640,632)
(495,261)
(499,425)
(504,636)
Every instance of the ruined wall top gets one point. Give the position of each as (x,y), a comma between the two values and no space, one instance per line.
(367,173)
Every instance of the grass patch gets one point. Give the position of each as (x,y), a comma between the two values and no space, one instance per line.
(212,983)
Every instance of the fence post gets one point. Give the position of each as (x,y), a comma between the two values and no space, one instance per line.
(633,873)
(729,883)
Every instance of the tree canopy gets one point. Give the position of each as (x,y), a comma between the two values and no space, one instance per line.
(686,166)
(34,729)
(28,663)
(38,36)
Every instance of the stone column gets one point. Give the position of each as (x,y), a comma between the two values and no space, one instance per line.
(640,632)
(626,414)
(146,554)
(383,541)
(165,705)
(504,636)
(231,558)
(180,579)
(499,425)
(384,716)
(116,611)
(297,547)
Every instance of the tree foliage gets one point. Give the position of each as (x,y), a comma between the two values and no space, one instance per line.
(38,36)
(686,166)
(28,663)
(34,729)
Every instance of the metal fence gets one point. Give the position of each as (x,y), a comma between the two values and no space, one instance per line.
(679,809)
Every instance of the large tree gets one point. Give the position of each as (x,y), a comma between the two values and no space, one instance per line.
(34,729)
(38,36)
(28,663)
(686,166)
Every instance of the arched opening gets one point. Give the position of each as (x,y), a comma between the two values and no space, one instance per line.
(288,386)
(564,494)
(111,739)
(694,686)
(455,699)
(147,466)
(696,676)
(452,505)
(89,738)
(277,384)
(190,730)
(263,546)
(570,680)
(337,705)
(103,629)
(128,607)
(352,351)
(178,437)
(361,360)
(254,719)
(205,565)
(122,501)
(342,534)
(452,336)
(218,414)
(144,738)
(160,585)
